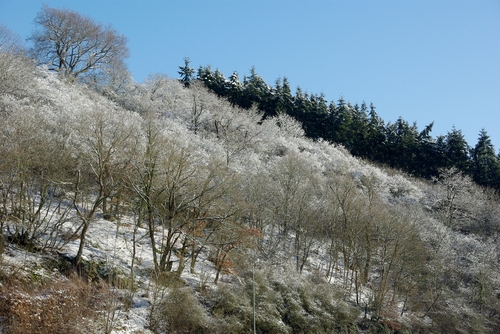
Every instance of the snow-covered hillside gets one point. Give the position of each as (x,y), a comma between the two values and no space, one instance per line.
(181,213)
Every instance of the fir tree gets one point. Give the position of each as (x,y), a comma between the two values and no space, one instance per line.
(234,89)
(456,151)
(376,136)
(186,72)
(486,164)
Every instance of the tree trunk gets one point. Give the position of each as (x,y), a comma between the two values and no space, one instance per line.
(78,257)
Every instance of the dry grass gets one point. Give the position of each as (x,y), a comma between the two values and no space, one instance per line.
(67,306)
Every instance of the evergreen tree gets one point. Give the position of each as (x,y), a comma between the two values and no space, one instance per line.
(186,72)
(215,81)
(340,123)
(205,74)
(314,117)
(456,151)
(277,98)
(298,99)
(429,155)
(303,111)
(486,164)
(330,130)
(234,89)
(359,131)
(376,137)
(257,91)
(402,141)
(220,83)
(287,96)
(282,97)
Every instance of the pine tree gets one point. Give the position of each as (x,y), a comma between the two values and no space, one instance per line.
(429,154)
(376,136)
(213,80)
(186,72)
(220,83)
(281,98)
(257,91)
(234,89)
(457,151)
(486,165)
(303,111)
(277,97)
(287,95)
(359,130)
(402,141)
(204,74)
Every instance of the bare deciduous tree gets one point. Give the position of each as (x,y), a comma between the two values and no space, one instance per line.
(16,70)
(9,41)
(106,140)
(75,46)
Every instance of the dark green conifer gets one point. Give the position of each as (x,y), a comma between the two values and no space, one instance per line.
(486,165)
(186,72)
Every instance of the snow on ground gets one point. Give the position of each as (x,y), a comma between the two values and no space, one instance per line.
(111,243)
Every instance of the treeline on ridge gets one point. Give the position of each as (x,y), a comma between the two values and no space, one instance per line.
(358,127)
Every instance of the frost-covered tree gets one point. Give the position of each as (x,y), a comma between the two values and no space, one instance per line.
(236,128)
(176,183)
(10,42)
(16,69)
(201,102)
(346,226)
(33,171)
(455,203)
(295,204)
(161,95)
(75,46)
(106,140)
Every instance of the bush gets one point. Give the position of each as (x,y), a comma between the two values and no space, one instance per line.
(179,312)
(284,304)
(65,307)
(231,309)
(314,308)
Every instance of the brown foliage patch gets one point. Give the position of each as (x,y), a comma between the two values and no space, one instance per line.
(63,307)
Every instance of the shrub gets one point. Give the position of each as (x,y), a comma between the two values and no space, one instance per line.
(65,307)
(284,304)
(179,312)
(231,309)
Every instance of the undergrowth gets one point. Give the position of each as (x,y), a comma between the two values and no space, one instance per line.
(62,306)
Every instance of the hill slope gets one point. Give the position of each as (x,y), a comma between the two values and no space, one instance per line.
(181,213)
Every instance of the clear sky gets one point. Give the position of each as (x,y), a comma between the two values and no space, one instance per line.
(424,60)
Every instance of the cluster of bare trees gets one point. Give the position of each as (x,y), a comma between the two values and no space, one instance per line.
(79,153)
(363,242)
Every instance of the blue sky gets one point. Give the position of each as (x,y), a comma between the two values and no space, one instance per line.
(424,60)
